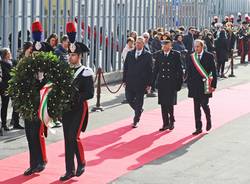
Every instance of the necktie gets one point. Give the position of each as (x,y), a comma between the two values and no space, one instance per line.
(199,57)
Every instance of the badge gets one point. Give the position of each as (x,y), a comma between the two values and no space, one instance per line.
(38,45)
(72,48)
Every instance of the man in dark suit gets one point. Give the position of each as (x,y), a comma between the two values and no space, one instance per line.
(188,40)
(201,81)
(137,77)
(168,72)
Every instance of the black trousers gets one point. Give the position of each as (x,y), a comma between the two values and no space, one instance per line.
(135,99)
(36,141)
(221,67)
(167,112)
(72,125)
(198,103)
(4,108)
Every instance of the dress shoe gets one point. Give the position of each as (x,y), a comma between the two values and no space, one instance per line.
(40,167)
(6,128)
(80,170)
(171,125)
(135,125)
(67,176)
(164,128)
(209,126)
(29,171)
(197,132)
(18,126)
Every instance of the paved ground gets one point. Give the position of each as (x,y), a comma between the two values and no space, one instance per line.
(219,157)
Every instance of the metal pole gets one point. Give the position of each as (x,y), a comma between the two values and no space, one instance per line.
(58,16)
(115,36)
(24,21)
(33,10)
(130,14)
(72,10)
(50,28)
(79,22)
(104,46)
(140,17)
(41,11)
(92,13)
(109,37)
(144,15)
(153,14)
(14,39)
(5,24)
(86,21)
(135,15)
(98,34)
(64,16)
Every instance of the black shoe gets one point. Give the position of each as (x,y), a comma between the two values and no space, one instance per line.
(6,128)
(197,132)
(164,128)
(18,126)
(171,126)
(209,126)
(40,168)
(29,172)
(67,176)
(80,170)
(135,125)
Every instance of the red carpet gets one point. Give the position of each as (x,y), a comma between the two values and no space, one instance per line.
(116,149)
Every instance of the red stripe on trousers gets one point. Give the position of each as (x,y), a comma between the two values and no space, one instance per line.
(42,142)
(242,51)
(79,144)
(248,50)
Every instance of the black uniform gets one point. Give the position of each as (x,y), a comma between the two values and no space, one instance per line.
(137,75)
(168,72)
(196,87)
(35,134)
(75,120)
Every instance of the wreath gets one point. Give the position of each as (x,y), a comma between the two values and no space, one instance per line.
(35,73)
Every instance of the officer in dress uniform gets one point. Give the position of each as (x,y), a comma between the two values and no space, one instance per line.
(243,41)
(199,63)
(75,120)
(34,128)
(169,74)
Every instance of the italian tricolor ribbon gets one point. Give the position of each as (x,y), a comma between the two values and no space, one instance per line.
(207,78)
(43,107)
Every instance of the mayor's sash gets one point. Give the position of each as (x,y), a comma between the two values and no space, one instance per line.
(207,78)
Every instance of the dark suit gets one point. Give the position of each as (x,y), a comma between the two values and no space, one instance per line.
(168,72)
(196,86)
(75,120)
(188,41)
(137,75)
(6,68)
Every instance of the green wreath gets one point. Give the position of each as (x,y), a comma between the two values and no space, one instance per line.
(24,86)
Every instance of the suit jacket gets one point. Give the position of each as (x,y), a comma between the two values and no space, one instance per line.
(194,79)
(137,73)
(188,41)
(168,73)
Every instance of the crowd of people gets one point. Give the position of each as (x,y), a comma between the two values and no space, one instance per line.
(159,60)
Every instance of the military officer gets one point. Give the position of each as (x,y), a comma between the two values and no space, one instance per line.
(75,120)
(34,128)
(169,74)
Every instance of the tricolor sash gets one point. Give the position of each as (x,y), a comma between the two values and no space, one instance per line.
(43,107)
(207,78)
